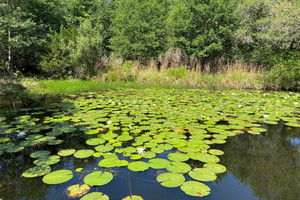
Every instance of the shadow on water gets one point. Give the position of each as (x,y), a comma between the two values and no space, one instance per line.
(268,163)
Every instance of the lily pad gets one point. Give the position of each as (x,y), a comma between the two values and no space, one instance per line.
(36,171)
(39,154)
(177,157)
(55,142)
(3,140)
(57,177)
(216,152)
(202,174)
(47,160)
(104,148)
(158,163)
(98,178)
(138,166)
(204,157)
(216,168)
(66,152)
(14,149)
(85,153)
(194,188)
(95,141)
(170,179)
(133,197)
(109,162)
(74,191)
(179,167)
(149,154)
(95,196)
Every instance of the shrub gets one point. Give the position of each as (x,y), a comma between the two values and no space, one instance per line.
(284,76)
(179,72)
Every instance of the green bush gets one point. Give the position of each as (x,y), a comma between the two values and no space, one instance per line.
(74,51)
(284,77)
(179,72)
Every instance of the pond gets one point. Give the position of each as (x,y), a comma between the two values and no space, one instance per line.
(156,144)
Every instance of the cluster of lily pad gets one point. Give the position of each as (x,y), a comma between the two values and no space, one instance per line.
(131,128)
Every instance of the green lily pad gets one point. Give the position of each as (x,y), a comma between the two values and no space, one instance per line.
(57,177)
(202,174)
(170,179)
(158,163)
(85,153)
(216,152)
(36,171)
(47,160)
(28,143)
(39,154)
(74,191)
(194,188)
(149,154)
(179,167)
(292,124)
(123,163)
(3,140)
(138,166)
(66,152)
(79,169)
(204,157)
(55,142)
(104,148)
(98,178)
(133,197)
(14,149)
(95,196)
(92,132)
(109,162)
(177,157)
(216,168)
(95,141)
(124,138)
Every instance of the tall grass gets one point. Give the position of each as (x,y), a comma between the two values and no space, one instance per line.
(236,75)
(60,88)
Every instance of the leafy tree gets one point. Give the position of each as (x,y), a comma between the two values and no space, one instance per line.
(24,25)
(138,29)
(202,28)
(74,51)
(268,31)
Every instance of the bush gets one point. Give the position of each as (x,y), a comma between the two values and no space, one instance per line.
(284,77)
(179,72)
(74,51)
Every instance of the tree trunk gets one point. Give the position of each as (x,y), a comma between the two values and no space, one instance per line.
(9,68)
(9,54)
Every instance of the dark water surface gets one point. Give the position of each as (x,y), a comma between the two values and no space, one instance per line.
(265,166)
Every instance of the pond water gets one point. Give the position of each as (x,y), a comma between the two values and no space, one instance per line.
(258,135)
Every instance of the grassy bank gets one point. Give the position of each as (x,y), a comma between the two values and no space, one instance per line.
(133,75)
(231,76)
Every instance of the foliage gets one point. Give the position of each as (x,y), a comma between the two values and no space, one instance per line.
(140,36)
(74,51)
(284,76)
(23,32)
(268,31)
(203,29)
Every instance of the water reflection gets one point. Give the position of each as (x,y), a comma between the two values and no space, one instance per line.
(265,166)
(268,163)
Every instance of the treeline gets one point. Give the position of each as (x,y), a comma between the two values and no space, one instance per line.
(61,38)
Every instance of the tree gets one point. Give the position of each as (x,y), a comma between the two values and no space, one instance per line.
(268,31)
(202,28)
(24,25)
(138,29)
(74,51)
